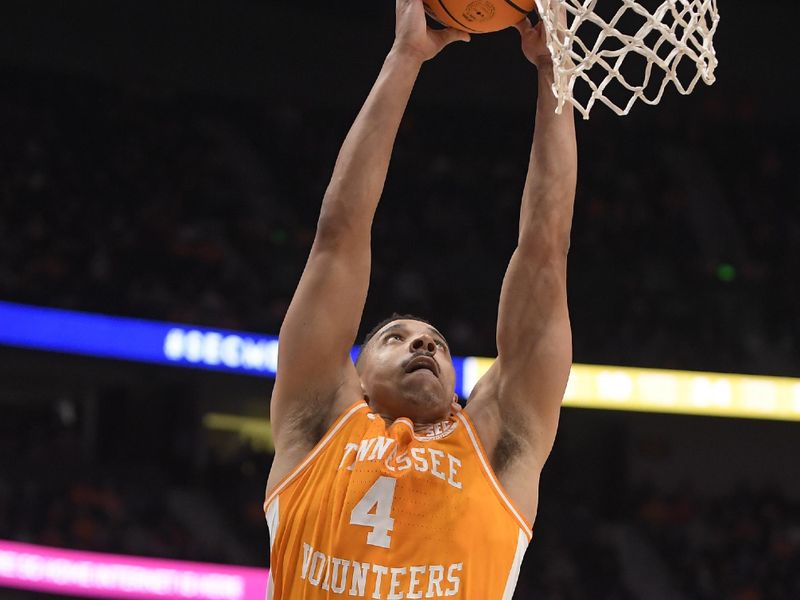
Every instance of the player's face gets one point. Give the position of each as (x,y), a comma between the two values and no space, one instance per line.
(408,372)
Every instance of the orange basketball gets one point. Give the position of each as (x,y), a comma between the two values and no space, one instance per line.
(478,16)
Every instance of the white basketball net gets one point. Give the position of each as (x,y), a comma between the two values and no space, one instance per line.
(589,50)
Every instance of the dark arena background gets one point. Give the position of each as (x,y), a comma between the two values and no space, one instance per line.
(162,165)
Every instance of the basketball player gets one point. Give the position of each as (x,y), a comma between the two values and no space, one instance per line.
(381,487)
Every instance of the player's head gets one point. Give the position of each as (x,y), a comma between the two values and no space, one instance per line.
(406,370)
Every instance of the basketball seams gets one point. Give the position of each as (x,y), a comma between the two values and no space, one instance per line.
(449,14)
(517,7)
(487,470)
(479,16)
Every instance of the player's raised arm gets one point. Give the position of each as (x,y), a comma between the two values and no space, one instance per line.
(315,373)
(517,403)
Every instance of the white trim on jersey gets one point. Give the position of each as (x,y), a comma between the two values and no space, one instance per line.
(492,477)
(513,575)
(270,588)
(273,522)
(313,454)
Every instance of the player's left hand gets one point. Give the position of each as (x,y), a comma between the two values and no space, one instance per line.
(413,36)
(534,42)
(534,38)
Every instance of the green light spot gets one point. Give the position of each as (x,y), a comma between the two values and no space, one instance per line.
(726,272)
(278,237)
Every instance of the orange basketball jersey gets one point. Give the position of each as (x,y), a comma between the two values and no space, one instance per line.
(382,512)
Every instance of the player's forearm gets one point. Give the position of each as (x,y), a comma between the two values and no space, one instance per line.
(360,172)
(549,193)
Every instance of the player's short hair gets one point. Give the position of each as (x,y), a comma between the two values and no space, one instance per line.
(384,323)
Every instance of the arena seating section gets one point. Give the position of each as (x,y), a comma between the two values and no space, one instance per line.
(199,210)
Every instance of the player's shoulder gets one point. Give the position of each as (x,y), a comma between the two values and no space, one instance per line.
(303,424)
(309,438)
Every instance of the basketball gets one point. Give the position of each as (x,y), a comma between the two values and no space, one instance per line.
(478,16)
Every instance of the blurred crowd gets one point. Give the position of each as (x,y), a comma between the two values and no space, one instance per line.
(685,248)
(55,492)
(52,495)
(571,557)
(140,202)
(745,546)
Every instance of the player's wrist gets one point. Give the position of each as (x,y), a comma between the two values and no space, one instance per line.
(545,75)
(407,54)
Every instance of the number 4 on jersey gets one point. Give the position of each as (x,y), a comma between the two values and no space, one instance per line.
(374,510)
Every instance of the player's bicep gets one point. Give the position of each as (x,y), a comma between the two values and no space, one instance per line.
(318,333)
(534,337)
(526,384)
(533,382)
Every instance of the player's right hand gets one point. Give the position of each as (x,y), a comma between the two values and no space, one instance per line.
(414,38)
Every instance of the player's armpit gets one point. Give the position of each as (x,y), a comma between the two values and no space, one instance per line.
(314,367)
(316,377)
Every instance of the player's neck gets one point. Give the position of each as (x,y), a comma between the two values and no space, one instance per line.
(419,426)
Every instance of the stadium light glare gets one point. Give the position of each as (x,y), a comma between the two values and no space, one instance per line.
(92,574)
(680,392)
(590,386)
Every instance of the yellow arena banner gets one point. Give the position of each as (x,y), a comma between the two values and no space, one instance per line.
(663,391)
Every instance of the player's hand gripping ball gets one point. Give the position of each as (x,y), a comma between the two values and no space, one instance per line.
(478,16)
